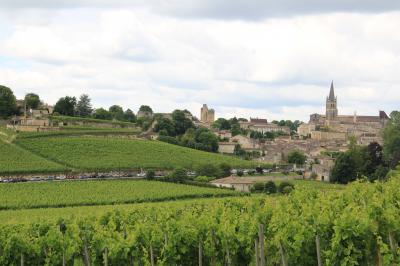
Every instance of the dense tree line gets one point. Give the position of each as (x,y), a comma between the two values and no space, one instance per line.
(8,102)
(293,125)
(265,135)
(70,106)
(180,130)
(230,124)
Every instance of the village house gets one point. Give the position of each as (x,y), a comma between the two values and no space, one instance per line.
(226,147)
(246,142)
(322,169)
(245,183)
(33,120)
(223,134)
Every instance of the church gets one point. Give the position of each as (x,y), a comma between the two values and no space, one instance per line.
(333,126)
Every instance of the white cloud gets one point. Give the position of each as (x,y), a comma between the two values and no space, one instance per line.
(278,68)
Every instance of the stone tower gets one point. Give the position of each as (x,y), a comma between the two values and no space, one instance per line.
(207,115)
(331,105)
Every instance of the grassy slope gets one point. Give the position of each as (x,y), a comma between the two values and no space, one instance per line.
(81,193)
(91,153)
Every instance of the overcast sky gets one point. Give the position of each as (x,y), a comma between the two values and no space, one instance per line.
(258,58)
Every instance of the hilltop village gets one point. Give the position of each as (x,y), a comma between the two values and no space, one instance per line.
(256,139)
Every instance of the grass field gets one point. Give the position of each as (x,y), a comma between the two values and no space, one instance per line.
(91,153)
(102,192)
(15,160)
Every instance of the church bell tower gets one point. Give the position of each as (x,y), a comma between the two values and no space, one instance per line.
(331,105)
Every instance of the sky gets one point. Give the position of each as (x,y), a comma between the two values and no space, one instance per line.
(244,58)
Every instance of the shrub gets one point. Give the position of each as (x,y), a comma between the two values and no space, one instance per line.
(150,175)
(178,175)
(168,139)
(258,187)
(285,187)
(240,173)
(287,190)
(208,170)
(270,187)
(203,179)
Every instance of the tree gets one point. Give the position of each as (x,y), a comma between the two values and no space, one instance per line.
(66,106)
(238,150)
(235,129)
(344,170)
(209,170)
(181,122)
(129,116)
(209,141)
(391,136)
(297,157)
(8,102)
(222,124)
(189,138)
(225,169)
(165,124)
(116,112)
(373,158)
(32,101)
(84,106)
(178,175)
(102,113)
(146,108)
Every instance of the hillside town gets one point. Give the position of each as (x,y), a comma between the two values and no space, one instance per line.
(257,139)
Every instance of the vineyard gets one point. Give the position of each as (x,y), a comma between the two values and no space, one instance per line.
(359,225)
(103,192)
(92,153)
(15,160)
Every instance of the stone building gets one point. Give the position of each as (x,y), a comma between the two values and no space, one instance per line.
(332,125)
(36,120)
(207,116)
(322,169)
(226,147)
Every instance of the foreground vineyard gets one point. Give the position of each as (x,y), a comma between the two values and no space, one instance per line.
(81,193)
(356,226)
(91,153)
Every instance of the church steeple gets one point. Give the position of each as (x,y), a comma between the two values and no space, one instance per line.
(332,93)
(331,104)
